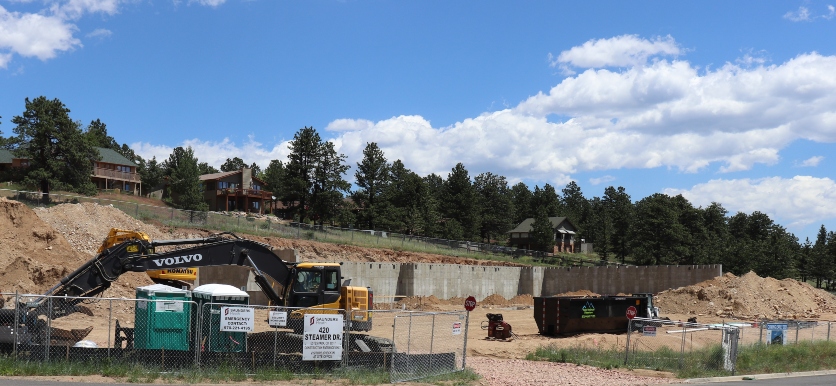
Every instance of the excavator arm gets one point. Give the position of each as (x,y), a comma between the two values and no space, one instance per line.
(138,255)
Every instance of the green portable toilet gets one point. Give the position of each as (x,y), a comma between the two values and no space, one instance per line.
(161,318)
(222,296)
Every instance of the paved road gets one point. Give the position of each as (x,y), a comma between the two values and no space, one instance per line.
(820,380)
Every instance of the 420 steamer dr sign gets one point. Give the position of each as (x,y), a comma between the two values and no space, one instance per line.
(323,339)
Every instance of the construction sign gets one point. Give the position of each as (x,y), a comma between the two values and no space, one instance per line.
(323,339)
(237,319)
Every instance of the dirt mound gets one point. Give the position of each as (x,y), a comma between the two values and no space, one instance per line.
(747,297)
(494,300)
(86,225)
(525,300)
(34,255)
(585,293)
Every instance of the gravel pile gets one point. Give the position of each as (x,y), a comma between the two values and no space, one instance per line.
(512,372)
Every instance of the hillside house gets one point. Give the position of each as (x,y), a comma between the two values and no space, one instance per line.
(235,191)
(564,234)
(114,171)
(8,160)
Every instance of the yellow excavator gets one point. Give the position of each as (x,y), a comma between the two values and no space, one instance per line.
(175,277)
(307,288)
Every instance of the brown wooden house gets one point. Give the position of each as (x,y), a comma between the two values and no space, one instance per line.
(564,234)
(114,171)
(9,161)
(235,191)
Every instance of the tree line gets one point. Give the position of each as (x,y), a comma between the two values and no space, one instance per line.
(312,185)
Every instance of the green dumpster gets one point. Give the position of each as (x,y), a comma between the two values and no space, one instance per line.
(161,318)
(212,300)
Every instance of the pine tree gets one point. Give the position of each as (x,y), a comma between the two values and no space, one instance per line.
(59,154)
(186,187)
(542,232)
(371,177)
(495,207)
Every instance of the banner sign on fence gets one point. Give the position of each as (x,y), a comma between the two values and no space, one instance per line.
(777,333)
(649,330)
(237,319)
(457,328)
(323,340)
(277,319)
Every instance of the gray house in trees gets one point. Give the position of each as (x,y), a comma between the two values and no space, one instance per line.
(564,234)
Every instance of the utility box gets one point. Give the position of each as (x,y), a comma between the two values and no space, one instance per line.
(210,299)
(162,318)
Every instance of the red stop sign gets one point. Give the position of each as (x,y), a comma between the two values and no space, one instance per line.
(631,312)
(470,303)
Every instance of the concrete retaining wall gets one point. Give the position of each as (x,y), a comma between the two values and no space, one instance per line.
(451,280)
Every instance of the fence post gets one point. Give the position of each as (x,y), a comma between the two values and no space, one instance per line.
(627,347)
(760,336)
(48,327)
(464,350)
(137,211)
(682,346)
(109,319)
(797,327)
(17,320)
(828,331)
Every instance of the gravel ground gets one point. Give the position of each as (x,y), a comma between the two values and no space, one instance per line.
(512,372)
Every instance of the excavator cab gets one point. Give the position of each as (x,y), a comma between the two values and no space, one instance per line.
(315,285)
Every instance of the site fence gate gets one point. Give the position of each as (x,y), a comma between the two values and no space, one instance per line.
(428,344)
(673,345)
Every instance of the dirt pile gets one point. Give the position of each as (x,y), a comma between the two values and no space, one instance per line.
(748,297)
(86,225)
(34,256)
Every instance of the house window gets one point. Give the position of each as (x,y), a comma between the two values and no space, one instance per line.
(524,235)
(515,235)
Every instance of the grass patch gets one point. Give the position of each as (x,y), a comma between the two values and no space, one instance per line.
(138,373)
(706,362)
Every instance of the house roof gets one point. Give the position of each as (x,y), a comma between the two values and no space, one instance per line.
(525,226)
(218,176)
(112,157)
(5,156)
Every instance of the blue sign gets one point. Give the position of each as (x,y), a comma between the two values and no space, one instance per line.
(776,326)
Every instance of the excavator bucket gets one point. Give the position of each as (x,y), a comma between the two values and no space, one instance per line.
(59,336)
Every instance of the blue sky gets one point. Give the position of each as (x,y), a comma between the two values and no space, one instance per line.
(720,101)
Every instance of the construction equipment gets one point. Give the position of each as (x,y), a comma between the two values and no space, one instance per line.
(315,286)
(497,328)
(175,277)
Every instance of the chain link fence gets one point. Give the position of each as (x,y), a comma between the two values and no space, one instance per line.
(265,224)
(428,344)
(169,332)
(665,344)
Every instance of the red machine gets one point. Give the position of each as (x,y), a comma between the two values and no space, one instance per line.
(497,328)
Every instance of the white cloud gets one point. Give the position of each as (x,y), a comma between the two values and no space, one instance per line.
(812,161)
(216,153)
(34,35)
(802,14)
(74,9)
(210,3)
(601,180)
(663,114)
(619,51)
(799,201)
(100,33)
(831,12)
(349,125)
